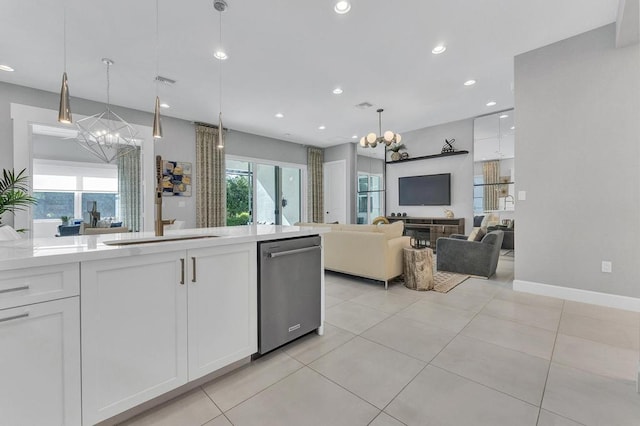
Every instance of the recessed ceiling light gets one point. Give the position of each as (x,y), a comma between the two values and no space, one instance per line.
(342,7)
(321,127)
(354,137)
(220,54)
(165,105)
(337,91)
(6,68)
(513,127)
(491,103)
(439,49)
(279,115)
(504,116)
(469,82)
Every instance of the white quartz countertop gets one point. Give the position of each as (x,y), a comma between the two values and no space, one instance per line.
(57,250)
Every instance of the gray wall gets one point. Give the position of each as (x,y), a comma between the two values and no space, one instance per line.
(346,151)
(428,141)
(578,159)
(370,165)
(254,146)
(177,144)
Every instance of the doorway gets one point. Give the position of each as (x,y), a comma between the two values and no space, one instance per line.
(263,192)
(335,191)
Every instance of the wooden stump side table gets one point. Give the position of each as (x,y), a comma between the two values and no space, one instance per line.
(418,268)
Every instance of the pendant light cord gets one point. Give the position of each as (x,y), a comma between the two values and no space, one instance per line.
(157,46)
(220,69)
(64,34)
(108,87)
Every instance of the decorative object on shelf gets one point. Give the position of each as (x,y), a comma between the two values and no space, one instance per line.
(403,215)
(107,135)
(448,146)
(393,215)
(425,157)
(176,178)
(157,124)
(64,110)
(404,155)
(395,151)
(14,192)
(220,6)
(371,140)
(65,220)
(448,214)
(419,242)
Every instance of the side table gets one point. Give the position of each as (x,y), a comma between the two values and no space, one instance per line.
(418,268)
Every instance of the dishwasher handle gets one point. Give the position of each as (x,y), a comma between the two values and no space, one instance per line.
(295,251)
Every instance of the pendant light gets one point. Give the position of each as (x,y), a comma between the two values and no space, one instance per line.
(372,140)
(64,111)
(220,6)
(157,124)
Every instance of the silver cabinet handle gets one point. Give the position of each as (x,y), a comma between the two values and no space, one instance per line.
(9,290)
(288,252)
(182,271)
(14,317)
(193,260)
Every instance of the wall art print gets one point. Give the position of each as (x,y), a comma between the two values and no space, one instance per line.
(176,179)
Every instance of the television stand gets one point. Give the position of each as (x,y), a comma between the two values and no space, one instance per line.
(430,228)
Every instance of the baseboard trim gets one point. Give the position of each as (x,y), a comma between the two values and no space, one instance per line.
(579,295)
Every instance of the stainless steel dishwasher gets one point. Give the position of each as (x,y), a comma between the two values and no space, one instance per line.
(288,290)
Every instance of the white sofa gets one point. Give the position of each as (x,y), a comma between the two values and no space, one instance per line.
(370,251)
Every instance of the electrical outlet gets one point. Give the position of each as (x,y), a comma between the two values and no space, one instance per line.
(606,266)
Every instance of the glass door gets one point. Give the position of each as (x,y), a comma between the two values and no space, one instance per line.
(239,193)
(370,197)
(263,193)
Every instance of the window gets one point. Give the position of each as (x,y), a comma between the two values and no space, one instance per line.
(65,188)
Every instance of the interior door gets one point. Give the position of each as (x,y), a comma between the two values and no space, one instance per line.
(335,192)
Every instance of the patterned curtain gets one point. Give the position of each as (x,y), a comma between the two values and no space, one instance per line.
(129,184)
(491,175)
(211,188)
(315,203)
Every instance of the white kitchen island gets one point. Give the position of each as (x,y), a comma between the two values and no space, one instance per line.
(89,329)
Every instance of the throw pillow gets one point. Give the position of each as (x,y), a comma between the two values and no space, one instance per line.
(477,220)
(474,234)
(480,235)
(392,230)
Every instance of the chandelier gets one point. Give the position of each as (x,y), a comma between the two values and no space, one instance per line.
(371,140)
(106,135)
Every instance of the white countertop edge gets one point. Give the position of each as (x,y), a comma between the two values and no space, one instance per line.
(54,251)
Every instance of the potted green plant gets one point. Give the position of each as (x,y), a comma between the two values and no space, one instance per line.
(65,220)
(14,192)
(395,150)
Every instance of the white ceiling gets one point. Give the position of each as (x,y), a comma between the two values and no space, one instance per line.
(287,56)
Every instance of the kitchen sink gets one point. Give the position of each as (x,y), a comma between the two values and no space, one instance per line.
(151,240)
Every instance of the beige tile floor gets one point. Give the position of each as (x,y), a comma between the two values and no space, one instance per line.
(480,355)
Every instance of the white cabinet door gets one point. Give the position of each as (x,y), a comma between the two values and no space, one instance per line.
(134,323)
(222,307)
(40,364)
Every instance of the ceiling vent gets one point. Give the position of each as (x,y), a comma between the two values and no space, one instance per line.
(364,105)
(165,80)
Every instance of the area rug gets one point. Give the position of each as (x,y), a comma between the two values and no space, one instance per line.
(445,281)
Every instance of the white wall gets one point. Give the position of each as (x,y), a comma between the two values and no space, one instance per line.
(348,153)
(578,159)
(429,141)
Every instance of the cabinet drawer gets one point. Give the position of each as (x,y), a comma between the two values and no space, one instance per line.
(20,287)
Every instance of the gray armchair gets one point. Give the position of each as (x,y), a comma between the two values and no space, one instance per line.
(456,254)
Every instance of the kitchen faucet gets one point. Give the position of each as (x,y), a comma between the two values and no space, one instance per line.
(159,223)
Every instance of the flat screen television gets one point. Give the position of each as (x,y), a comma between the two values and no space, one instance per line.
(427,190)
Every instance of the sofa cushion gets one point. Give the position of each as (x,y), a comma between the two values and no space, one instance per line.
(357,228)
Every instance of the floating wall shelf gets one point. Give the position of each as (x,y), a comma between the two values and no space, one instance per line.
(425,157)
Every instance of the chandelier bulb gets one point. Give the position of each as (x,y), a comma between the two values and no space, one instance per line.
(388,136)
(398,138)
(363,142)
(371,138)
